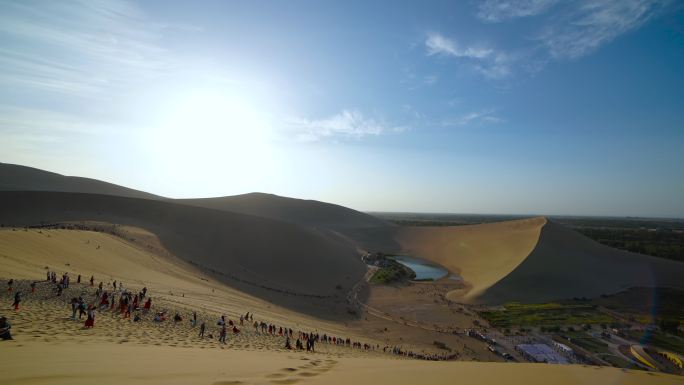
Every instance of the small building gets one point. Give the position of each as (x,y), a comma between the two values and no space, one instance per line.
(540,353)
(563,348)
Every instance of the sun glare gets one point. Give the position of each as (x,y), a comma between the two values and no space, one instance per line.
(204,132)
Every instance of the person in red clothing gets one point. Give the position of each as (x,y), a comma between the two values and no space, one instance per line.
(90,321)
(148,305)
(104,303)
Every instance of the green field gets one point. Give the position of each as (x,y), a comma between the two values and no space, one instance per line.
(659,340)
(587,342)
(545,315)
(619,362)
(393,272)
(644,305)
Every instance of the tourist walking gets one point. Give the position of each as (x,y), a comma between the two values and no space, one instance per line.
(74,307)
(17,300)
(90,321)
(222,335)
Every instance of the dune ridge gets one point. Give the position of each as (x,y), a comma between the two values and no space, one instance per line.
(300,211)
(481,254)
(304,212)
(273,253)
(22,178)
(533,260)
(566,264)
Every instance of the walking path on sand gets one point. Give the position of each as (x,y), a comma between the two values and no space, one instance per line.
(45,317)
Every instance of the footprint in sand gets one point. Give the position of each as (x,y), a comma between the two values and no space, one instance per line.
(308,374)
(275,375)
(286,381)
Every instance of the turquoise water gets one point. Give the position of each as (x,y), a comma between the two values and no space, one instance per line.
(422,268)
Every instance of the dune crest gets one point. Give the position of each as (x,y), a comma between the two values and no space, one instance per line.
(534,260)
(261,256)
(481,254)
(566,264)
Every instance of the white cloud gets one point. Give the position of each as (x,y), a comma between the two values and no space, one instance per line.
(475,117)
(568,30)
(487,61)
(437,44)
(78,47)
(349,124)
(592,24)
(500,10)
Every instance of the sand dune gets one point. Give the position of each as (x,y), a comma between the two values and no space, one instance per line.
(304,212)
(21,178)
(533,260)
(24,255)
(172,248)
(120,351)
(271,254)
(73,363)
(300,211)
(480,254)
(566,264)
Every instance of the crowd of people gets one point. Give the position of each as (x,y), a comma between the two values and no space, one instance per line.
(128,303)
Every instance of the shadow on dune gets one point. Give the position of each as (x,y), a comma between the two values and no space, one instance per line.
(296,267)
(566,264)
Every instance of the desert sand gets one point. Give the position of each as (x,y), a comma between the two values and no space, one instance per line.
(24,254)
(300,211)
(51,348)
(289,262)
(255,240)
(258,255)
(14,177)
(566,264)
(85,363)
(533,260)
(480,254)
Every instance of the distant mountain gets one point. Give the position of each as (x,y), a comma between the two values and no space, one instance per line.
(304,212)
(21,178)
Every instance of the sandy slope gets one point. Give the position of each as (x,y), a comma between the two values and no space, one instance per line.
(566,264)
(534,260)
(300,211)
(25,254)
(304,212)
(21,178)
(73,363)
(265,253)
(51,348)
(480,254)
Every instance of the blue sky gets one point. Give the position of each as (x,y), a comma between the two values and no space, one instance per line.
(495,106)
